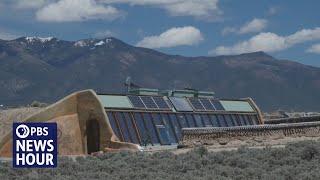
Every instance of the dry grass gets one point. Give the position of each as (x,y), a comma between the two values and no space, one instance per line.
(13,115)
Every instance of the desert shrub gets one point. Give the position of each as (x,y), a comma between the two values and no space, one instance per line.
(295,161)
(38,104)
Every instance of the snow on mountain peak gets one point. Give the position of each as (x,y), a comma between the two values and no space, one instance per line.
(100,43)
(41,39)
(92,42)
(80,43)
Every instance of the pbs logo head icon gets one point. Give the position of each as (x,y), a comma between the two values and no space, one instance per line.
(22,131)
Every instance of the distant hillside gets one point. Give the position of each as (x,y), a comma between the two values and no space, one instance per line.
(46,69)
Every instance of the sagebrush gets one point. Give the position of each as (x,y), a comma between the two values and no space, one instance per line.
(295,161)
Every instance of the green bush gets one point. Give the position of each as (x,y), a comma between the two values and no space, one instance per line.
(295,161)
(38,104)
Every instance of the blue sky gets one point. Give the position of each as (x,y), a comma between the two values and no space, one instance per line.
(285,29)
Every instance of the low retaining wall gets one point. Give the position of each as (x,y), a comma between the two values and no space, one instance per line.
(293,120)
(251,135)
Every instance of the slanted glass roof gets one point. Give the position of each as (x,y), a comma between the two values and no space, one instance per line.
(240,106)
(114,101)
(163,128)
(159,120)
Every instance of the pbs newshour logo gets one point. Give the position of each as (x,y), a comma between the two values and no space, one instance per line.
(34,145)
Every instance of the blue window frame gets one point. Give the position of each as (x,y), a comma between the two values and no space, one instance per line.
(214,120)
(175,124)
(123,126)
(254,120)
(169,127)
(190,120)
(163,134)
(235,120)
(240,117)
(247,119)
(131,128)
(222,122)
(206,120)
(151,128)
(144,134)
(198,120)
(228,119)
(182,120)
(114,125)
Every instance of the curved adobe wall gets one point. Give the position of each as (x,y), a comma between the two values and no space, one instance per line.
(72,114)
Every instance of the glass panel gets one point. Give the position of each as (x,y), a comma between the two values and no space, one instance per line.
(123,126)
(180,104)
(144,134)
(254,120)
(161,102)
(131,128)
(215,121)
(207,104)
(240,117)
(114,125)
(221,120)
(217,105)
(182,121)
(151,128)
(175,125)
(206,120)
(169,128)
(196,104)
(150,104)
(157,119)
(112,101)
(246,120)
(228,119)
(136,101)
(198,120)
(237,106)
(164,137)
(190,120)
(235,120)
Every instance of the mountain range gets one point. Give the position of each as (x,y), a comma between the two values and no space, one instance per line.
(46,69)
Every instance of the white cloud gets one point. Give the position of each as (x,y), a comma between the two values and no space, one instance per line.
(30,4)
(228,30)
(103,34)
(255,25)
(314,49)
(76,10)
(269,42)
(207,9)
(177,36)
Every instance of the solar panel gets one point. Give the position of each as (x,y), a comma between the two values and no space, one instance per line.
(136,102)
(217,104)
(180,104)
(196,104)
(148,101)
(207,104)
(160,102)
